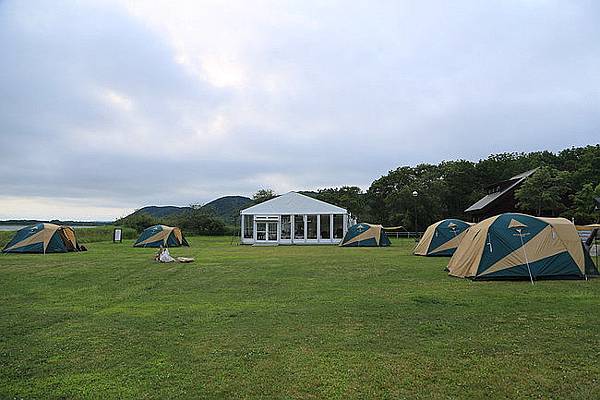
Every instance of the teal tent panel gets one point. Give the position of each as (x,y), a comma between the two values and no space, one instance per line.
(559,265)
(56,245)
(384,241)
(502,241)
(363,243)
(158,243)
(172,240)
(447,252)
(32,248)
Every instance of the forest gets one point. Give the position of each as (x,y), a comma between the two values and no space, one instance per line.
(565,185)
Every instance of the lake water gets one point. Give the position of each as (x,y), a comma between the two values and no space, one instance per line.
(17,227)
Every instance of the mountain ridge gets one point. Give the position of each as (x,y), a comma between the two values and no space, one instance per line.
(227,208)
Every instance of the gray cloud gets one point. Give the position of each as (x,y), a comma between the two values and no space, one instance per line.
(118,107)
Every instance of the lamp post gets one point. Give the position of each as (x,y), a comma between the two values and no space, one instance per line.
(415,195)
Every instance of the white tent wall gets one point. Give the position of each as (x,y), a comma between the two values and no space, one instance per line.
(293,218)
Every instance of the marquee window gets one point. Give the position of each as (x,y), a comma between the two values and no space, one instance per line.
(286,227)
(299,227)
(311,226)
(325,227)
(248,226)
(338,226)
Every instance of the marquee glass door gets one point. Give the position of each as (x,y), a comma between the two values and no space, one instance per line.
(261,231)
(266,231)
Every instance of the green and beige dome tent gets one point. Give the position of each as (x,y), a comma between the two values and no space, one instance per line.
(43,238)
(519,246)
(365,235)
(442,238)
(161,235)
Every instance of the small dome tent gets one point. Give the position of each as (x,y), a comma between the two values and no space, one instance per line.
(365,235)
(442,238)
(161,235)
(43,238)
(519,246)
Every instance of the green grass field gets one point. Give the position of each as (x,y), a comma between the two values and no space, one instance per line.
(287,322)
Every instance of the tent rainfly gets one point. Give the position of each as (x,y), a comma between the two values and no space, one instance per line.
(43,238)
(365,235)
(293,218)
(442,238)
(519,246)
(161,235)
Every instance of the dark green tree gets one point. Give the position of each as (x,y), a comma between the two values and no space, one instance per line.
(542,193)
(351,198)
(263,195)
(137,221)
(584,206)
(198,221)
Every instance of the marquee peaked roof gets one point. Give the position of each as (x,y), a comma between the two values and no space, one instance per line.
(293,203)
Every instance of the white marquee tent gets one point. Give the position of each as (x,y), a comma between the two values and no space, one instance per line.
(293,218)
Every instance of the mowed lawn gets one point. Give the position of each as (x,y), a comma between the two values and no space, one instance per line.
(287,322)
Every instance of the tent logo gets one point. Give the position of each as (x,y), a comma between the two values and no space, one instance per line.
(452,227)
(516,224)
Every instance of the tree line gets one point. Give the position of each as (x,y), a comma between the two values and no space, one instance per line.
(565,184)
(195,221)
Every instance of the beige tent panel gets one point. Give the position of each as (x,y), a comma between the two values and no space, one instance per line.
(423,245)
(43,235)
(69,234)
(567,233)
(178,234)
(466,259)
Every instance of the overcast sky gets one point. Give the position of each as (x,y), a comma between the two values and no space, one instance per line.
(107,106)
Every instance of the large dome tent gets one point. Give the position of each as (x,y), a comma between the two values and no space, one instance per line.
(161,235)
(43,238)
(519,246)
(442,238)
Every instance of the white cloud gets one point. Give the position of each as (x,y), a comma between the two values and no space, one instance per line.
(118,100)
(42,208)
(210,98)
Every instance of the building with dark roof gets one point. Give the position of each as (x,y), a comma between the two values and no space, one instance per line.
(500,198)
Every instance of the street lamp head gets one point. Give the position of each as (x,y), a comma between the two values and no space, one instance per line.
(415,194)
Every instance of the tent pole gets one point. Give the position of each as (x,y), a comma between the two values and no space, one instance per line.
(596,246)
(525,253)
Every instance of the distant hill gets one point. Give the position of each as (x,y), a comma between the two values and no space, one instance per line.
(227,208)
(161,211)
